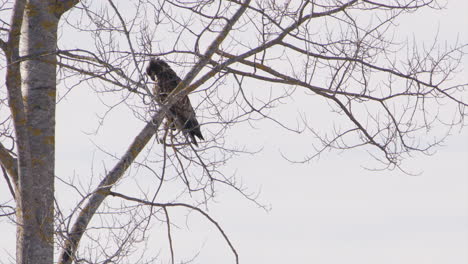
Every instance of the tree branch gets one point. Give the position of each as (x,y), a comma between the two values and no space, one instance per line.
(9,163)
(62,6)
(15,99)
(10,187)
(138,144)
(258,49)
(164,205)
(169,236)
(101,192)
(3,46)
(181,88)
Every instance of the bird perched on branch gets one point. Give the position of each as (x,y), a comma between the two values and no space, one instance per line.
(182,115)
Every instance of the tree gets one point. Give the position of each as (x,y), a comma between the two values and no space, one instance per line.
(32,34)
(383,95)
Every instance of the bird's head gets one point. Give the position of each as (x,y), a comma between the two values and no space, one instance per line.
(156,67)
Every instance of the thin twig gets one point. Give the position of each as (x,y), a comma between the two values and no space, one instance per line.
(181,205)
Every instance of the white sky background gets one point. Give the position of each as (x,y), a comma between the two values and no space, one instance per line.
(330,211)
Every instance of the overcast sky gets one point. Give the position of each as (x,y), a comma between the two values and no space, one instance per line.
(332,212)
(329,211)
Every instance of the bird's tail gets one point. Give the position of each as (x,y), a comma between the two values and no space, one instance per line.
(193,129)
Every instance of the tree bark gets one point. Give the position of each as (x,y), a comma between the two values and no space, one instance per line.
(36,184)
(35,201)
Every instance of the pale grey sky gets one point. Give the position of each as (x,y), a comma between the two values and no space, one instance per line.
(328,211)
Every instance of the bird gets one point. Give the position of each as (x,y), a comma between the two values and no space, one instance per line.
(182,116)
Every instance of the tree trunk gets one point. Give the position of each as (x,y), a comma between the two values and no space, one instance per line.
(35,212)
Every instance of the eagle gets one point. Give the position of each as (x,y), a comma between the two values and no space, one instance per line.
(182,116)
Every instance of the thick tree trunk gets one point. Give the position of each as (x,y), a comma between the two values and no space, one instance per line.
(31,96)
(35,212)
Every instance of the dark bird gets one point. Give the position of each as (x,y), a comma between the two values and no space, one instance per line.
(182,115)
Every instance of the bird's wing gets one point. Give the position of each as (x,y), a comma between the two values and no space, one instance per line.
(184,113)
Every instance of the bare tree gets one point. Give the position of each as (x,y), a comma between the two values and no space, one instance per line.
(383,95)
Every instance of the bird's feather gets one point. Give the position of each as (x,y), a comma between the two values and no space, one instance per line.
(182,114)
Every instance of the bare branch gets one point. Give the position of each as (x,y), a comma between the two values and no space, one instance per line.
(9,163)
(13,77)
(169,236)
(3,46)
(182,87)
(63,6)
(105,185)
(10,187)
(164,205)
